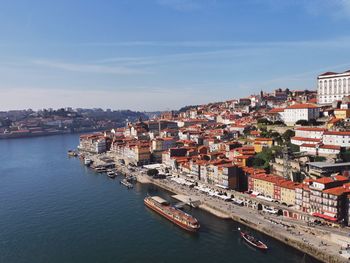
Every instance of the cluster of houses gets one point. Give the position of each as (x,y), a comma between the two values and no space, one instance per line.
(217,144)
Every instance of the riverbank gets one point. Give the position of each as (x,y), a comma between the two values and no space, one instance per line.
(297,236)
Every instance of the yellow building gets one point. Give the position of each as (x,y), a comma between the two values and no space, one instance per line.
(264,184)
(288,193)
(342,113)
(261,143)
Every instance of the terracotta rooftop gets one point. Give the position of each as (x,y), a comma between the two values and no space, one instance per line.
(302,106)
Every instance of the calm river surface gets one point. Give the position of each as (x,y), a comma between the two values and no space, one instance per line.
(53,209)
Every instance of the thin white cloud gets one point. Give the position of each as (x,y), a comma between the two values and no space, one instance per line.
(340,41)
(179,57)
(89,68)
(222,50)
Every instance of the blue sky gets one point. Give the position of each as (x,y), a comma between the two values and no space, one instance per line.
(163,54)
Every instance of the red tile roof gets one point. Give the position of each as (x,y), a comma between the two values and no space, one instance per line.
(305,139)
(328,73)
(311,129)
(276,110)
(344,133)
(302,106)
(337,191)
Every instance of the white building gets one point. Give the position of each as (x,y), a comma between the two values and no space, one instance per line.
(297,112)
(302,140)
(320,149)
(333,86)
(338,138)
(310,132)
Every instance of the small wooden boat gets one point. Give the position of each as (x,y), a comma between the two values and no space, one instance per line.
(253,241)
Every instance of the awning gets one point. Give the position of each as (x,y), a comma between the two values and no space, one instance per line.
(325,217)
(221,186)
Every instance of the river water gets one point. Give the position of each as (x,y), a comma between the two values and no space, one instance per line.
(53,209)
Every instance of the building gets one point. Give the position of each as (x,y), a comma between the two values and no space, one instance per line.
(229,176)
(297,112)
(274,187)
(323,169)
(286,192)
(320,149)
(338,138)
(135,152)
(281,95)
(310,132)
(333,86)
(327,197)
(262,143)
(302,140)
(262,184)
(93,143)
(302,196)
(159,145)
(342,114)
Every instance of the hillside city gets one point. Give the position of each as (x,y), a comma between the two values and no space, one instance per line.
(30,123)
(287,147)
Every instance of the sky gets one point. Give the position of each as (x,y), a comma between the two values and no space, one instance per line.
(164,54)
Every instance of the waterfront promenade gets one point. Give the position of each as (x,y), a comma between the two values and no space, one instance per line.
(290,232)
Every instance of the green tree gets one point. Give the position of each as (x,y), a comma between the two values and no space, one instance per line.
(302,122)
(287,135)
(345,156)
(280,123)
(264,121)
(294,148)
(262,159)
(320,159)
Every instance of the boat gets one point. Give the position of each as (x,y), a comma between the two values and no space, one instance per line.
(111,174)
(87,161)
(171,213)
(126,183)
(253,241)
(100,170)
(72,153)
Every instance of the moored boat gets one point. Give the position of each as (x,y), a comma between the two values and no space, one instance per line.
(126,183)
(111,174)
(171,213)
(87,161)
(100,169)
(252,240)
(72,153)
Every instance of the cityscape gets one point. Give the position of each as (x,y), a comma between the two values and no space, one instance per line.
(283,155)
(175,131)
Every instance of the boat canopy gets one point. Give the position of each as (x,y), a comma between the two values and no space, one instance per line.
(159,200)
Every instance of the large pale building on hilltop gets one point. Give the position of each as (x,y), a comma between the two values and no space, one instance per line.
(333,86)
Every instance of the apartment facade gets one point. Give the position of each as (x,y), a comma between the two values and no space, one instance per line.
(333,86)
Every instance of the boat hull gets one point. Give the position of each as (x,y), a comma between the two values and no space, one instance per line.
(261,246)
(159,211)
